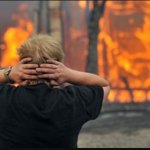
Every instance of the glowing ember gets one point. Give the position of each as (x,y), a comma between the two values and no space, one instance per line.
(15,36)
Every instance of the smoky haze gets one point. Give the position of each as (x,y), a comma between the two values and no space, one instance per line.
(7,8)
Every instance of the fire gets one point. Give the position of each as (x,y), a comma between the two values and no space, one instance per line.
(124,49)
(125,45)
(15,36)
(83,4)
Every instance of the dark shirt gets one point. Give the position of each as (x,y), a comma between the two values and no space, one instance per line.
(42,117)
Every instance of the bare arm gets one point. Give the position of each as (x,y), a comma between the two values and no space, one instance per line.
(83,78)
(21,73)
(2,77)
(89,79)
(61,74)
(106,92)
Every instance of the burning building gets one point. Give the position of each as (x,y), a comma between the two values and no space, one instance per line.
(123,47)
(123,44)
(14,35)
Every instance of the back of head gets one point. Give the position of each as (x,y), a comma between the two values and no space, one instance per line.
(41,48)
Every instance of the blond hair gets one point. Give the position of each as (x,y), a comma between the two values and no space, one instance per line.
(41,48)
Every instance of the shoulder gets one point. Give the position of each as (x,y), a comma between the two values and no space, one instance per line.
(85,88)
(81,87)
(83,91)
(86,100)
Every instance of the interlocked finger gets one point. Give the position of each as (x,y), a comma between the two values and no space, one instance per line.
(45,70)
(53,62)
(30,66)
(51,66)
(29,77)
(48,76)
(25,60)
(30,72)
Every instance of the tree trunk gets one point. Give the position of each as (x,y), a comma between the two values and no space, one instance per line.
(39,24)
(95,16)
(55,19)
(48,25)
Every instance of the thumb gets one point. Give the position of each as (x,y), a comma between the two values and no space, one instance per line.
(54,83)
(24,83)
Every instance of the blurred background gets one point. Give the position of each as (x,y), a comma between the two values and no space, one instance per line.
(109,38)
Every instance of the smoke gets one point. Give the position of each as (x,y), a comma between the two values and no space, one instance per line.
(7,8)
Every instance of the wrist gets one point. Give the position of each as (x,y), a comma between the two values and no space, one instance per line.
(69,74)
(2,77)
(11,74)
(7,74)
(73,76)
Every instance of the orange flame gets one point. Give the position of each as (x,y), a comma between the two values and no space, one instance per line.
(15,36)
(83,4)
(124,49)
(127,51)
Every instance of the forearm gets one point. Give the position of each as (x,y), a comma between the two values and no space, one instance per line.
(83,78)
(2,77)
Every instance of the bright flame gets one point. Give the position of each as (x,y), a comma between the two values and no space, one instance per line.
(125,42)
(15,36)
(83,4)
(123,46)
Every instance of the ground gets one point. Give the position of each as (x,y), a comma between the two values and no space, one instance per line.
(118,127)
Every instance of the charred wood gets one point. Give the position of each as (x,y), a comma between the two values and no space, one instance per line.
(95,15)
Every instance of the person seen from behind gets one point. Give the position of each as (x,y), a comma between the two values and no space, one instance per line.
(52,101)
